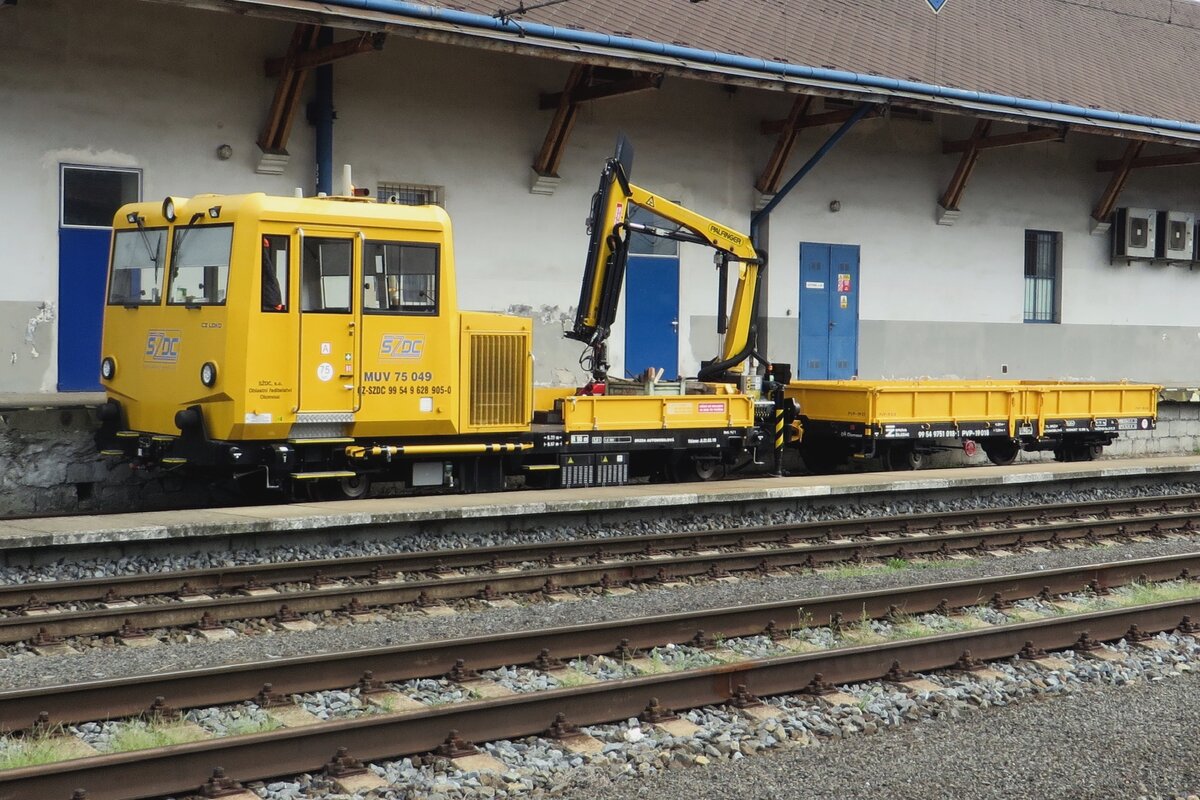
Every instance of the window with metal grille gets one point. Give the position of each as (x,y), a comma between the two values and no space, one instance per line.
(1043,269)
(411,194)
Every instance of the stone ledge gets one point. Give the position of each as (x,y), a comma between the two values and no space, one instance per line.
(209,523)
(29,401)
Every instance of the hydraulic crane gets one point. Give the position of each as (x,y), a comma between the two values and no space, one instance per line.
(608,253)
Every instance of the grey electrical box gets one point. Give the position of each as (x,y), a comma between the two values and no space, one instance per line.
(1176,235)
(1134,233)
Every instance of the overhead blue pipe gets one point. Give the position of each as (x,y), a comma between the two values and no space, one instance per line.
(765,211)
(766,68)
(323,118)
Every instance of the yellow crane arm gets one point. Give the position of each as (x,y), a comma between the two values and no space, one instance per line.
(608,253)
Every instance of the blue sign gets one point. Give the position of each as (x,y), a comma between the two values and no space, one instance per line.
(936,5)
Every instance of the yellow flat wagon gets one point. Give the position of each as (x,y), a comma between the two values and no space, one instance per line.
(902,422)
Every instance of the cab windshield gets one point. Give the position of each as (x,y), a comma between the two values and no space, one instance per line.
(200,265)
(137,265)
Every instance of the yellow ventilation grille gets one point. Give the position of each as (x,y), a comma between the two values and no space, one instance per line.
(499,379)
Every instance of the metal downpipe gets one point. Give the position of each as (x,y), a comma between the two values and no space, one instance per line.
(323,118)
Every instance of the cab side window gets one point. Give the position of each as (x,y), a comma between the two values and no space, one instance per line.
(275,273)
(325,274)
(400,278)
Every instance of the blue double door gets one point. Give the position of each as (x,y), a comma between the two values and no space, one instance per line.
(828,311)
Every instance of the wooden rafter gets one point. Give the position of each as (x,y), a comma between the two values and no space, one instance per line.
(837,117)
(303,55)
(550,156)
(768,181)
(1007,140)
(1116,183)
(275,133)
(1186,158)
(601,90)
(308,59)
(966,165)
(585,84)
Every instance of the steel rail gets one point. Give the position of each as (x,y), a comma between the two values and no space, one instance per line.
(16,628)
(116,697)
(184,767)
(234,578)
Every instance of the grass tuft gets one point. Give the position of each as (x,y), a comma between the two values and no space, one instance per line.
(32,751)
(143,736)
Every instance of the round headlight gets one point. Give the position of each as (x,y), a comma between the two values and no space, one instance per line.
(108,368)
(168,209)
(208,374)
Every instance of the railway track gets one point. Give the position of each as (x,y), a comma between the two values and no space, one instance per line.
(43,613)
(728,678)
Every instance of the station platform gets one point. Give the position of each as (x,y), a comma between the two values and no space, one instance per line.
(527,505)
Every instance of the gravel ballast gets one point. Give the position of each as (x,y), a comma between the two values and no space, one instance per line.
(820,510)
(1133,741)
(27,670)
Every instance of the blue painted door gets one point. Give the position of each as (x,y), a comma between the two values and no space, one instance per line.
(82,269)
(652,315)
(89,197)
(828,311)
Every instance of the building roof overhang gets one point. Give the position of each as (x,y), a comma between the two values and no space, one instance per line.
(570,44)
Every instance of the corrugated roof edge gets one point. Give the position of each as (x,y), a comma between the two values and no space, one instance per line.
(529,30)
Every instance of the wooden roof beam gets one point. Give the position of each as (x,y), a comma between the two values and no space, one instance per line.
(774,126)
(1108,200)
(1039,134)
(768,181)
(275,133)
(962,173)
(599,90)
(1184,159)
(585,84)
(545,166)
(319,56)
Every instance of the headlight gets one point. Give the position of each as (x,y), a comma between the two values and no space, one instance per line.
(208,374)
(108,368)
(168,209)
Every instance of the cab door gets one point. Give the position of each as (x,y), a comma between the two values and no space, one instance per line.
(328,325)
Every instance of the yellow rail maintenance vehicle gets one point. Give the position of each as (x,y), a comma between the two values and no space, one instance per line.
(317,342)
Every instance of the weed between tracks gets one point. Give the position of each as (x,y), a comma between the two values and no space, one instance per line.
(893,565)
(145,735)
(34,750)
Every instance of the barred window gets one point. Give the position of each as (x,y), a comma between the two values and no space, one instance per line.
(411,194)
(1043,270)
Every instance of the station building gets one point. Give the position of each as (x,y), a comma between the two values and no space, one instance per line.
(946,188)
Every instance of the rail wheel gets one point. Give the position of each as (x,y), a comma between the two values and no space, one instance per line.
(1001,451)
(346,488)
(684,468)
(903,456)
(1078,452)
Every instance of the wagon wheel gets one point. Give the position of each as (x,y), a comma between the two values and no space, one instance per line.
(1001,451)
(903,456)
(684,468)
(346,488)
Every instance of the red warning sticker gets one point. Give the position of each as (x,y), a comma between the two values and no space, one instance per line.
(711,408)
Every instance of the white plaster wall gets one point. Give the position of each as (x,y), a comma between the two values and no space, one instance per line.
(120,84)
(889,174)
(126,83)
